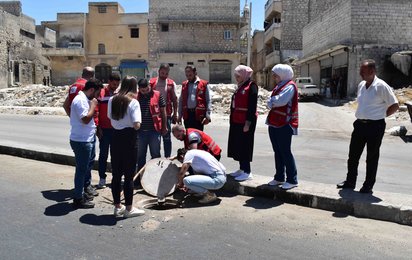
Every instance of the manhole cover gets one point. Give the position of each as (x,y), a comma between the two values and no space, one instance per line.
(154,204)
(159,177)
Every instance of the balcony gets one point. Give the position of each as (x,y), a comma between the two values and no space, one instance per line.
(274,31)
(272,7)
(272,59)
(63,52)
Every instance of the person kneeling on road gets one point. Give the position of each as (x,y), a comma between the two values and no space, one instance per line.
(209,174)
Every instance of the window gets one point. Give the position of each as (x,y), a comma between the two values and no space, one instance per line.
(227,35)
(102,9)
(164,27)
(27,34)
(102,48)
(134,33)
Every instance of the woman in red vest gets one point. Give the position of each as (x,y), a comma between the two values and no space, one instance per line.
(243,119)
(283,123)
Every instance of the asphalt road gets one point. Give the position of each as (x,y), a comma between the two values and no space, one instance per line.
(320,149)
(38,222)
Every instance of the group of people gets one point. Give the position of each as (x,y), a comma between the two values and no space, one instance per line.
(129,119)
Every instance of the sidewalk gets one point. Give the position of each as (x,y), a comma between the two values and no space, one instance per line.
(393,207)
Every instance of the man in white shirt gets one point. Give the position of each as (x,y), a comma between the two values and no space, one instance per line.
(376,101)
(83,138)
(209,173)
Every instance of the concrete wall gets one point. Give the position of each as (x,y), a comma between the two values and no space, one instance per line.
(294,18)
(71,28)
(206,10)
(328,30)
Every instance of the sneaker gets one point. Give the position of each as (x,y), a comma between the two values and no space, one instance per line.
(208,198)
(244,176)
(82,204)
(275,183)
(91,191)
(236,173)
(288,186)
(366,190)
(102,183)
(119,211)
(134,212)
(345,185)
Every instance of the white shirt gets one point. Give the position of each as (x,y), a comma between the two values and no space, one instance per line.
(203,162)
(81,132)
(133,115)
(375,100)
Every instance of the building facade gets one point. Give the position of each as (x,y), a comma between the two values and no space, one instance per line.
(21,61)
(203,33)
(336,40)
(106,38)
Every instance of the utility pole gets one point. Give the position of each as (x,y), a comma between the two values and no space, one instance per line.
(249,35)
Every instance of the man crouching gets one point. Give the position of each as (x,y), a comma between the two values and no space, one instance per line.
(209,174)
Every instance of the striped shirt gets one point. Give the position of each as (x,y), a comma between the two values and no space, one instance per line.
(147,120)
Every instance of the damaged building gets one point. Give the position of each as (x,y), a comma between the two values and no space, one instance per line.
(338,38)
(106,38)
(203,33)
(21,60)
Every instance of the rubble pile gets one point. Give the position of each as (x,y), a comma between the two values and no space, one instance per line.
(54,96)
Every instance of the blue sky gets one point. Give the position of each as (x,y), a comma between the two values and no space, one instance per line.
(46,10)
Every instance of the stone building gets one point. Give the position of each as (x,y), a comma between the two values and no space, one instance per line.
(284,21)
(344,32)
(105,38)
(258,56)
(203,33)
(21,62)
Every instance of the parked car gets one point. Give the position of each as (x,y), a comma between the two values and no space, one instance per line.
(306,88)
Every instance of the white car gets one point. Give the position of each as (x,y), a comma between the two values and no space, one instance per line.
(306,88)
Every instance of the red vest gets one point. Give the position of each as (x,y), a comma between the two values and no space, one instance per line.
(278,116)
(240,104)
(170,85)
(207,144)
(75,88)
(104,121)
(155,110)
(201,106)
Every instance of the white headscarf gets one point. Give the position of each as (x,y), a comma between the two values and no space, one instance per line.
(285,72)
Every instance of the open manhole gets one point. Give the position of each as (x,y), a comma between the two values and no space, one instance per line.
(156,204)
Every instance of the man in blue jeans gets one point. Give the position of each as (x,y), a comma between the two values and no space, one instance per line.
(209,174)
(82,139)
(153,124)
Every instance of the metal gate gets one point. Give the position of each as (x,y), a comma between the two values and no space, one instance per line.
(220,72)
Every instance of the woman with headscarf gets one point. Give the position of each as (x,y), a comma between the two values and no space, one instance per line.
(125,117)
(243,117)
(283,123)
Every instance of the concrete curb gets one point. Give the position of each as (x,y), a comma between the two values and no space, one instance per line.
(385,206)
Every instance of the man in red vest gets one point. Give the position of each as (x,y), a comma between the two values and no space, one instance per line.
(88,73)
(153,108)
(196,139)
(104,127)
(195,105)
(167,88)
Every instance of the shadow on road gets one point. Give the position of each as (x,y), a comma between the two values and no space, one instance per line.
(58,195)
(59,209)
(356,196)
(102,220)
(262,203)
(407,138)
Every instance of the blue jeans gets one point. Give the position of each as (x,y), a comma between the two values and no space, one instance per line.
(84,153)
(281,139)
(104,151)
(149,138)
(203,183)
(167,141)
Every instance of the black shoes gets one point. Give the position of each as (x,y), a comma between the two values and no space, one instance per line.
(366,190)
(82,203)
(345,185)
(90,190)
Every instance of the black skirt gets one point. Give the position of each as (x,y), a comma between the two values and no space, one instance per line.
(240,144)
